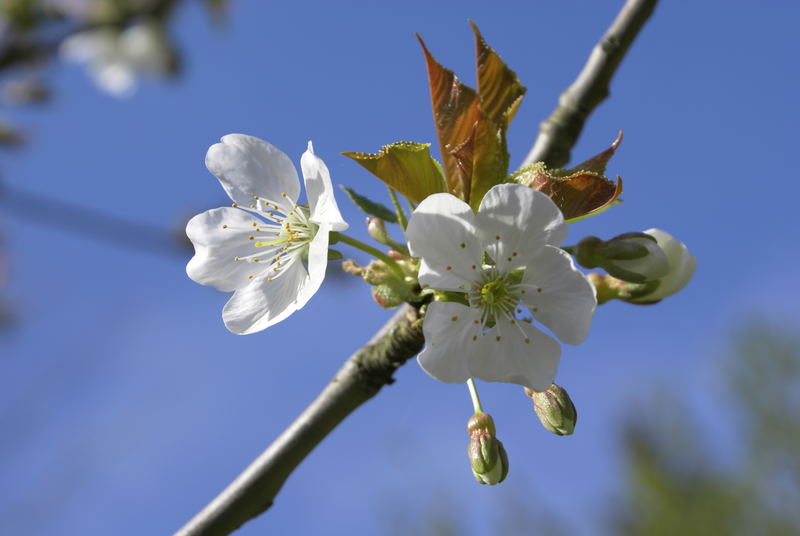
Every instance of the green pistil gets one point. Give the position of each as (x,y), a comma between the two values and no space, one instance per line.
(494,295)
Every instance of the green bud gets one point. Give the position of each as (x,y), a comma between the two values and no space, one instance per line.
(555,409)
(487,456)
(376,228)
(632,257)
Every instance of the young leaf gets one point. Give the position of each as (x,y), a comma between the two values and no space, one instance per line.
(482,161)
(405,166)
(577,195)
(499,89)
(455,112)
(372,208)
(598,163)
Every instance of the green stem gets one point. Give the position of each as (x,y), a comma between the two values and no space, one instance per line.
(366,248)
(473,393)
(402,219)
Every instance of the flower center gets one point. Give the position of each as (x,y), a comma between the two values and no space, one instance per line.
(495,294)
(281,233)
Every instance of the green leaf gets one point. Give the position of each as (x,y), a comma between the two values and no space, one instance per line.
(405,166)
(499,89)
(372,208)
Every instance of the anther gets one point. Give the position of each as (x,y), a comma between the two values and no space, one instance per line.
(454,318)
(249,277)
(449,267)
(463,245)
(539,289)
(234,205)
(513,253)
(497,338)
(527,340)
(224,226)
(497,237)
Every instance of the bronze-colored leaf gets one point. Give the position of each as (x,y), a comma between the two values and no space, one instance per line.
(407,167)
(577,195)
(455,113)
(598,163)
(482,160)
(499,89)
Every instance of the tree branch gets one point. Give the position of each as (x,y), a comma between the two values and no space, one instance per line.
(361,377)
(559,132)
(369,369)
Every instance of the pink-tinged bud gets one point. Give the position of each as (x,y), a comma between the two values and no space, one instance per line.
(487,456)
(377,230)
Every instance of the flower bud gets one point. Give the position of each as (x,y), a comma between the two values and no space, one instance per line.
(377,230)
(555,409)
(487,456)
(633,257)
(681,265)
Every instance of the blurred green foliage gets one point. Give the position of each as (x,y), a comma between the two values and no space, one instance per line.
(676,483)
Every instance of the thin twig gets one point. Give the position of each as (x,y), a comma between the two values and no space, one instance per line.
(559,132)
(361,377)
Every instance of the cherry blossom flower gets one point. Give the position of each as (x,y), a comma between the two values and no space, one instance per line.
(257,247)
(115,59)
(507,261)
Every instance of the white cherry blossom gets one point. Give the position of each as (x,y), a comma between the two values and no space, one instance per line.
(507,260)
(116,59)
(257,247)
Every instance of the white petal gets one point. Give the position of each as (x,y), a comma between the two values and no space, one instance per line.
(247,167)
(114,78)
(217,247)
(449,343)
(317,264)
(681,265)
(89,46)
(442,232)
(145,48)
(263,303)
(511,359)
(320,191)
(515,222)
(566,301)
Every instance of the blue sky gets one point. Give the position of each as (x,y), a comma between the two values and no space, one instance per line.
(125,405)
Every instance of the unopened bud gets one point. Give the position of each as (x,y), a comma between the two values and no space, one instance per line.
(487,456)
(681,266)
(377,230)
(633,257)
(555,409)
